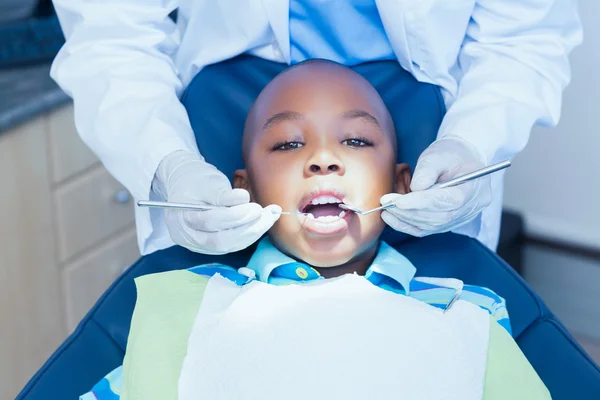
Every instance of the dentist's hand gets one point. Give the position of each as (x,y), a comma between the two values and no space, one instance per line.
(425,212)
(185,177)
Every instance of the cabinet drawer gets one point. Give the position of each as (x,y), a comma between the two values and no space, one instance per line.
(69,155)
(86,278)
(89,209)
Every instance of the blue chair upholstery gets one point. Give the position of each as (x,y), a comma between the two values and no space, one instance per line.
(217,101)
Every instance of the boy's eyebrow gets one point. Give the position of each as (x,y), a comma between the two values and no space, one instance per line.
(362,114)
(280,117)
(294,116)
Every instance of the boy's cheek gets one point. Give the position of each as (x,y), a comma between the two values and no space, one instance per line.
(375,190)
(274,190)
(281,237)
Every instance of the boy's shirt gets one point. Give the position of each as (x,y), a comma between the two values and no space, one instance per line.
(390,270)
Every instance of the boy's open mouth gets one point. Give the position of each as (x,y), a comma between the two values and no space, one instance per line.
(323,215)
(324,208)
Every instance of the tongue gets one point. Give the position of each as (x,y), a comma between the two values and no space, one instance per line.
(325,210)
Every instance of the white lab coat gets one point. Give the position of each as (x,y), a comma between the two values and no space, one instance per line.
(501,64)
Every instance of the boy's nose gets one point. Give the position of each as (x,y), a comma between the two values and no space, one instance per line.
(324,163)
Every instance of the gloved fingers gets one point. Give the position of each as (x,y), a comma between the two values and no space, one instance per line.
(426,210)
(435,219)
(199,182)
(441,224)
(437,222)
(427,173)
(434,216)
(421,218)
(232,197)
(454,172)
(429,223)
(441,200)
(247,234)
(444,159)
(221,218)
(236,238)
(273,210)
(400,225)
(389,198)
(243,236)
(249,217)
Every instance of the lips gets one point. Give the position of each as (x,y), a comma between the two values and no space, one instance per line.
(323,215)
(322,227)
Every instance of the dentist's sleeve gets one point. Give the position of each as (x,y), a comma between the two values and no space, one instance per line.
(117,66)
(513,67)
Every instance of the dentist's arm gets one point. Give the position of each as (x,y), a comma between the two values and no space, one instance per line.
(513,67)
(117,66)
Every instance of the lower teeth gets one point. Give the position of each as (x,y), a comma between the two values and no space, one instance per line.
(328,218)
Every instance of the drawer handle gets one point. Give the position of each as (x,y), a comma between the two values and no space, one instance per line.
(122,197)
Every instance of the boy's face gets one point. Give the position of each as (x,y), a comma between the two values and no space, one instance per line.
(317,136)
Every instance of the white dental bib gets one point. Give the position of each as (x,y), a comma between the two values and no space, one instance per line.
(340,338)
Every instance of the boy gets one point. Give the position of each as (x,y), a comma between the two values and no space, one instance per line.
(318,135)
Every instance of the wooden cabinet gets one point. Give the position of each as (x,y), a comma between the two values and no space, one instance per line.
(31,317)
(87,277)
(66,232)
(68,154)
(91,200)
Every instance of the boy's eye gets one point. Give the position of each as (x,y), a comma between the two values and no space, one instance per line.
(357,142)
(287,146)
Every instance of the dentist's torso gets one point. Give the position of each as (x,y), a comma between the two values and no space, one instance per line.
(425,35)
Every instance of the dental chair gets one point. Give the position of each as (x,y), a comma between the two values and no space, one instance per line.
(217,101)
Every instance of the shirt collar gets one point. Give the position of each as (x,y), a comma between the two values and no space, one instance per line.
(388,263)
(266,258)
(392,264)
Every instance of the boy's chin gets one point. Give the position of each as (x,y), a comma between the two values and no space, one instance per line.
(328,263)
(335,252)
(330,258)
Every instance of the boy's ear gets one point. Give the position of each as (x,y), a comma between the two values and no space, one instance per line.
(241,181)
(403,177)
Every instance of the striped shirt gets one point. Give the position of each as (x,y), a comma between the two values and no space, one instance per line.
(390,270)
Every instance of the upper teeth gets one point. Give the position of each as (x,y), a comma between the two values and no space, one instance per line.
(325,200)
